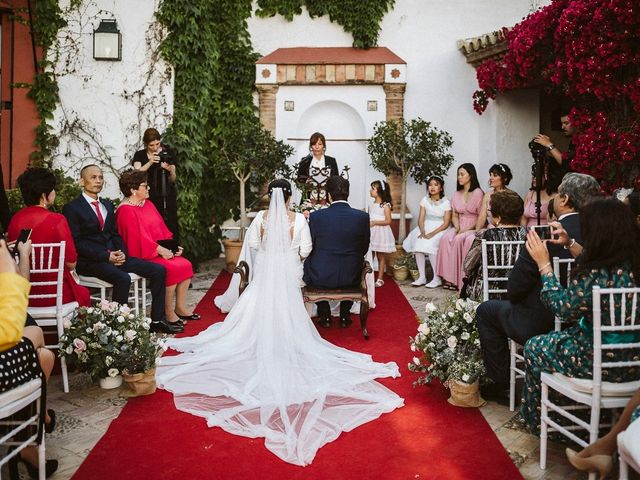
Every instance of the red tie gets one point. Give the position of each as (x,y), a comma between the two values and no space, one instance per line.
(96,205)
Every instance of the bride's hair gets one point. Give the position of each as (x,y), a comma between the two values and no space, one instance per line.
(283,184)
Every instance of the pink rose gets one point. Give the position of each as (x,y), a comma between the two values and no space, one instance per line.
(79,345)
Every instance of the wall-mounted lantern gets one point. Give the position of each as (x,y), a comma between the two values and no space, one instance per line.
(107,41)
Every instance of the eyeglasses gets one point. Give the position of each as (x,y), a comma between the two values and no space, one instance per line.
(145,185)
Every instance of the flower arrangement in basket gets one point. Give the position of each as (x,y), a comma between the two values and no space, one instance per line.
(108,340)
(449,347)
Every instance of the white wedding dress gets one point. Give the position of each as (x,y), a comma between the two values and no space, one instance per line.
(266,372)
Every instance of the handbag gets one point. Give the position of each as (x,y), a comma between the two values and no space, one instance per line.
(169,244)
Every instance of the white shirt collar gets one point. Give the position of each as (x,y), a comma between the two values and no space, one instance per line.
(89,199)
(339,201)
(317,163)
(566,215)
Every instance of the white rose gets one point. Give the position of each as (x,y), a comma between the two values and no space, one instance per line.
(113,372)
(460,304)
(120,319)
(69,349)
(130,334)
(130,316)
(416,360)
(465,378)
(451,314)
(108,360)
(89,330)
(423,328)
(430,308)
(465,336)
(476,341)
(124,309)
(452,341)
(90,310)
(413,348)
(467,316)
(119,338)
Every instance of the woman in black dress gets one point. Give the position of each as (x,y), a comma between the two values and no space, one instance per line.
(159,162)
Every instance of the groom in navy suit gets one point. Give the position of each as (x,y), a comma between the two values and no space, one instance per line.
(340,236)
(102,253)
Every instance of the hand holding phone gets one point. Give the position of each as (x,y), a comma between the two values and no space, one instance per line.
(543,231)
(25,234)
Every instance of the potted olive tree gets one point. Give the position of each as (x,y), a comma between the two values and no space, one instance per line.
(413,149)
(253,156)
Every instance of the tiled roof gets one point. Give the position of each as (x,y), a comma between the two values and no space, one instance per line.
(331,56)
(484,47)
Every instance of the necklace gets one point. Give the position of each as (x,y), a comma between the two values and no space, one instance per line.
(135,204)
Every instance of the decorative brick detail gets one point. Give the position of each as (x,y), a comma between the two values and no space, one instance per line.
(267,105)
(341,75)
(394,95)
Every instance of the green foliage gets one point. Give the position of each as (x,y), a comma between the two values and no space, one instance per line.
(414,148)
(360,18)
(47,19)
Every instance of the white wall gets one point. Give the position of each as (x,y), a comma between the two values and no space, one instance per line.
(439,81)
(423,33)
(105,106)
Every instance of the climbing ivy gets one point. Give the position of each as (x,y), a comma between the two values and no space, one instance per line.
(360,18)
(47,18)
(209,46)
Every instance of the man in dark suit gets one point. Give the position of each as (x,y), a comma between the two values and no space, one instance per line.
(523,315)
(102,253)
(340,236)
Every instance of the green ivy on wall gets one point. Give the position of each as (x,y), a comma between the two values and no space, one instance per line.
(209,46)
(361,18)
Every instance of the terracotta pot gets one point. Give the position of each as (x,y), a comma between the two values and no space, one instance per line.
(141,383)
(465,394)
(111,382)
(232,253)
(400,273)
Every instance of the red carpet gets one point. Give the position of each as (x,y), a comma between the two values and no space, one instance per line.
(425,439)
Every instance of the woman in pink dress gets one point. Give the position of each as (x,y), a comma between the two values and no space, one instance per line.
(143,229)
(37,186)
(466,205)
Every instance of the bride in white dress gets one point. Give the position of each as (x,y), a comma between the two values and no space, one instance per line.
(265,371)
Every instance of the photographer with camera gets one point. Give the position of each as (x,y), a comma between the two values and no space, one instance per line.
(159,161)
(561,159)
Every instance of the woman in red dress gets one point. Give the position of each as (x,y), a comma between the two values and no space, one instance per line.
(142,228)
(37,186)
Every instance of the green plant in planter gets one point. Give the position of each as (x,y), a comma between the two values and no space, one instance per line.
(409,149)
(254,156)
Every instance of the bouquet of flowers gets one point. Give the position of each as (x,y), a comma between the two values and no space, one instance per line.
(109,339)
(307,206)
(448,343)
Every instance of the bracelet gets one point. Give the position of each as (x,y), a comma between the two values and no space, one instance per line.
(551,147)
(571,244)
(548,264)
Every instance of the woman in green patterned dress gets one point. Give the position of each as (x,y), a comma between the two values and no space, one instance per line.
(610,259)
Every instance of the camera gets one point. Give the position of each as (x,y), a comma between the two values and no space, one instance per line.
(166,156)
(538,152)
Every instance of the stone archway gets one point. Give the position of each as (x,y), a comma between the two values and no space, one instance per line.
(365,86)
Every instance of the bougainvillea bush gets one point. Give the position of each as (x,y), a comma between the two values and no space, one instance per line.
(589,52)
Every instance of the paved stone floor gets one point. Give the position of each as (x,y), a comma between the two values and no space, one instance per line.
(84,414)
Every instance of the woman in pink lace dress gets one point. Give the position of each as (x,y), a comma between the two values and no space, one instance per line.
(466,205)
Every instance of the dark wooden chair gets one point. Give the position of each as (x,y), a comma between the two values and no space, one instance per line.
(356,294)
(313,294)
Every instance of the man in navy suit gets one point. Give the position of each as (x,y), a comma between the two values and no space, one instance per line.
(102,253)
(340,236)
(523,315)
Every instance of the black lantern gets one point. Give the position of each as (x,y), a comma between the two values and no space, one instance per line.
(107,41)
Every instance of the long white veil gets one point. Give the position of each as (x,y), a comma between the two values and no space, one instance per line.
(266,372)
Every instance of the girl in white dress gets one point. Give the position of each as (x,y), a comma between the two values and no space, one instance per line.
(382,239)
(433,221)
(265,371)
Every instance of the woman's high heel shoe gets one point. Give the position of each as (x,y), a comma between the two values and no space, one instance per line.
(603,464)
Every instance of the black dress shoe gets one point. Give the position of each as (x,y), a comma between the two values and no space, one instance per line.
(496,392)
(345,322)
(324,322)
(165,327)
(193,316)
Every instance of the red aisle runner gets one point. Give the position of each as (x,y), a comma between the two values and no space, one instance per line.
(425,439)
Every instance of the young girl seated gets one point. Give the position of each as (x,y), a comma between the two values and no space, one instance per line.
(382,239)
(433,220)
